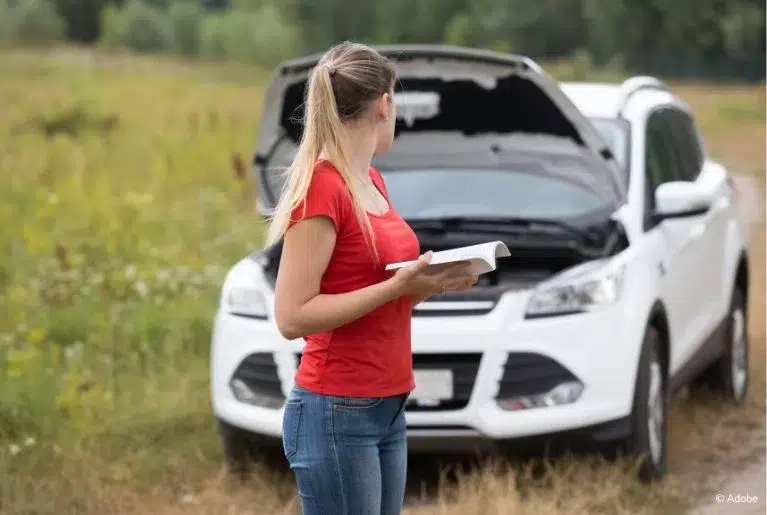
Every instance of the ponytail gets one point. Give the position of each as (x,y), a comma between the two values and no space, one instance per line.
(323,130)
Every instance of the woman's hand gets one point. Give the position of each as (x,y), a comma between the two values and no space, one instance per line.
(458,284)
(419,282)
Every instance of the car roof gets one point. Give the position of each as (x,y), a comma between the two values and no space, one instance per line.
(594,99)
(606,100)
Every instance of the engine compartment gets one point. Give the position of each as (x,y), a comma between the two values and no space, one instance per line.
(535,257)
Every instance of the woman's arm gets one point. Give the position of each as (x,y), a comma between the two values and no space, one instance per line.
(300,309)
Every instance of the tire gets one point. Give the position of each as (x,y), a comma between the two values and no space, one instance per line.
(238,447)
(648,441)
(729,375)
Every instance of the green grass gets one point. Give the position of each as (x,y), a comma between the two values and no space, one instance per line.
(121,213)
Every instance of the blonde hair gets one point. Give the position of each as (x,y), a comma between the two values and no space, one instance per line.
(340,89)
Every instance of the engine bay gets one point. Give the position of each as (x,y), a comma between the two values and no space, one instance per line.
(537,254)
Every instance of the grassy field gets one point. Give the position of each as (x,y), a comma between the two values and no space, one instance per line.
(123,203)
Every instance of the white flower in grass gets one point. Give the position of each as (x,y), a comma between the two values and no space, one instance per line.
(142,289)
(73,351)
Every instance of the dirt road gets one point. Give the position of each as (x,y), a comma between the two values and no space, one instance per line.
(741,494)
(749,197)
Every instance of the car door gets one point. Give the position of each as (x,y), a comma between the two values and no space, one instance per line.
(682,263)
(711,179)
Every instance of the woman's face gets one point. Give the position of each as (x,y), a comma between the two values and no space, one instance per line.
(387,114)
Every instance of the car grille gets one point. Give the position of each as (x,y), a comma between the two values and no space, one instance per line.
(451,309)
(469,303)
(464,367)
(259,372)
(530,374)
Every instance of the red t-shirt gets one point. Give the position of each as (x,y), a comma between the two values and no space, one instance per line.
(371,356)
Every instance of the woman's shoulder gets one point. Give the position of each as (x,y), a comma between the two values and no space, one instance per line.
(326,181)
(326,173)
(326,195)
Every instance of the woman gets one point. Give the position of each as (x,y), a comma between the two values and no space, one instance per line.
(344,431)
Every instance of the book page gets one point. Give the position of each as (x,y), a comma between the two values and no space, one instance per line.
(482,257)
(463,254)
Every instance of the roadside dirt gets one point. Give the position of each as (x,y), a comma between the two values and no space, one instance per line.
(741,494)
(749,197)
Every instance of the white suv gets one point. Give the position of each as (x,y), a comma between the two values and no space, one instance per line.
(628,275)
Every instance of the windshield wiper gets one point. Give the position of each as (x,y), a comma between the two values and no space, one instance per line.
(500,225)
(589,243)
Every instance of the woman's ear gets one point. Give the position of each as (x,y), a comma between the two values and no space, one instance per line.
(384,106)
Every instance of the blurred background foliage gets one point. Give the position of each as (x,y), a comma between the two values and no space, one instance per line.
(713,39)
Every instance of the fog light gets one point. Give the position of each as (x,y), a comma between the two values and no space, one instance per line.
(243,393)
(564,393)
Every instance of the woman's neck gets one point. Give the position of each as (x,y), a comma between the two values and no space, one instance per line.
(360,146)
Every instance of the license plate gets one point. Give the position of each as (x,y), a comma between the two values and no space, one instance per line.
(433,385)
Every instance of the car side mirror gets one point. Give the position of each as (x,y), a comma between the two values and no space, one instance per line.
(680,199)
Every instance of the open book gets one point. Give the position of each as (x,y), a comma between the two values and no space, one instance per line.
(482,257)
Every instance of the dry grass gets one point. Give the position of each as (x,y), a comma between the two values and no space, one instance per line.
(155,451)
(732,120)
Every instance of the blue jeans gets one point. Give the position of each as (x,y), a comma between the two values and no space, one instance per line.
(348,455)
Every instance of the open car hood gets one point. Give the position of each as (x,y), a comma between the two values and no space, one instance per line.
(455,107)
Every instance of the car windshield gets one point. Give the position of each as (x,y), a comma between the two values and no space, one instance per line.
(616,134)
(441,193)
(428,193)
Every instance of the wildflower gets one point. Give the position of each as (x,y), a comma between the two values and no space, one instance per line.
(35,336)
(141,288)
(73,351)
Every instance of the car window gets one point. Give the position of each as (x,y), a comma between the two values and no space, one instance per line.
(656,165)
(660,152)
(687,144)
(438,193)
(665,159)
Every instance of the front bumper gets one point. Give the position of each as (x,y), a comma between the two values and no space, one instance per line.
(600,349)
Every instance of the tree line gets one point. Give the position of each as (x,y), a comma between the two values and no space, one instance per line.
(714,39)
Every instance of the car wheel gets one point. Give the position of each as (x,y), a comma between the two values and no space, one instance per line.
(238,447)
(648,439)
(729,374)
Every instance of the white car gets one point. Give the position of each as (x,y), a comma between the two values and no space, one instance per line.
(628,274)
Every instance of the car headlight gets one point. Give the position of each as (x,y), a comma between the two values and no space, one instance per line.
(576,295)
(247,302)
